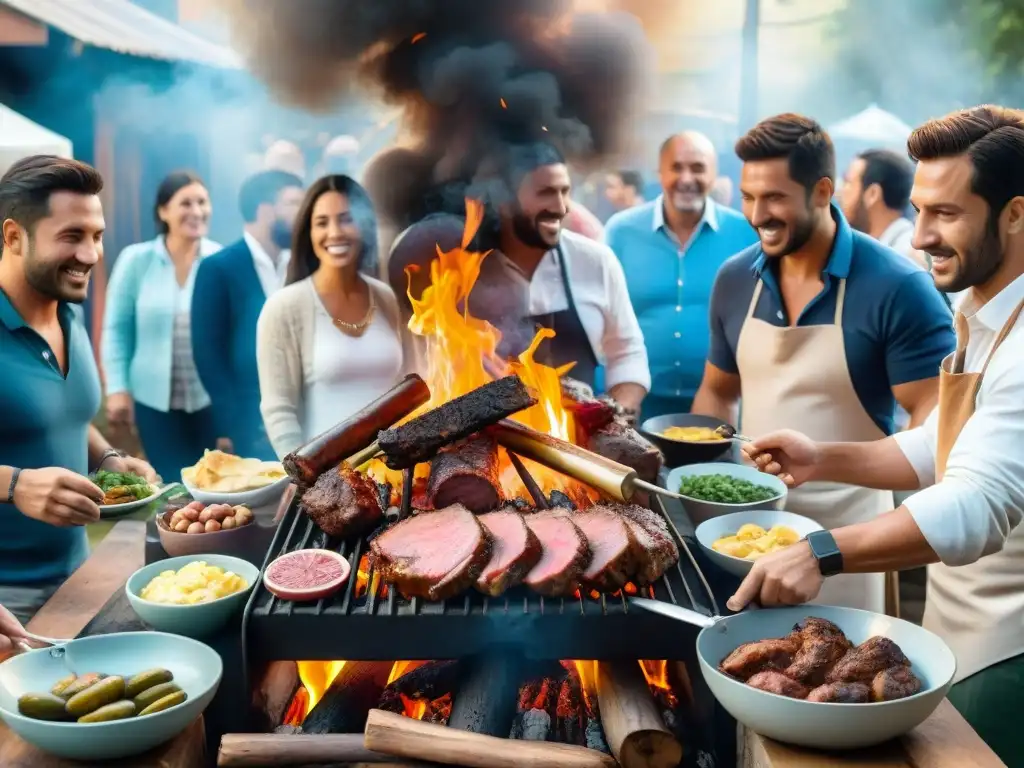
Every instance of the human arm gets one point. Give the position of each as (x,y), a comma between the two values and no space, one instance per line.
(719,393)
(279,362)
(211,342)
(11,633)
(627,375)
(103,456)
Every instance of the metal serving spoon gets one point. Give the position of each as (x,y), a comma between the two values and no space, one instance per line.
(729,433)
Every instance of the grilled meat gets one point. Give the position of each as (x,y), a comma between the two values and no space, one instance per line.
(433,556)
(565,554)
(620,442)
(840,693)
(778,683)
(613,550)
(345,503)
(466,473)
(515,550)
(863,663)
(421,438)
(822,645)
(773,654)
(652,536)
(894,683)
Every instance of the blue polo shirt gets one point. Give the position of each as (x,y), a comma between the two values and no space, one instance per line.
(670,287)
(896,326)
(45,423)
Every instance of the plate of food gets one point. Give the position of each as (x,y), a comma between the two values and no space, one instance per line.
(735,541)
(124,492)
(720,488)
(686,438)
(223,478)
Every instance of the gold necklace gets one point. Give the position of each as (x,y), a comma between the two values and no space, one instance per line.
(358,328)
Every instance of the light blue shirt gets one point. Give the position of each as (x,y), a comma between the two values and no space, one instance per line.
(143,299)
(670,288)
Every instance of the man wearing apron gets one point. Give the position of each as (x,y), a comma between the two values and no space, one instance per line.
(969,188)
(819,328)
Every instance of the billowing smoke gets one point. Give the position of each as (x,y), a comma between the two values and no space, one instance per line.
(471,76)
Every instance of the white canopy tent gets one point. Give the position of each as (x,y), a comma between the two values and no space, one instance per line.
(872,126)
(20,137)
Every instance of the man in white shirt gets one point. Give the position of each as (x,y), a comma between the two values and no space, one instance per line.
(230,289)
(969,454)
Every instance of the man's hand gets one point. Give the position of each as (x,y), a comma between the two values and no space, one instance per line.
(790,576)
(120,410)
(11,632)
(57,496)
(133,465)
(792,456)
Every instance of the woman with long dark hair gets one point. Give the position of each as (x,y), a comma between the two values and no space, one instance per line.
(151,379)
(329,342)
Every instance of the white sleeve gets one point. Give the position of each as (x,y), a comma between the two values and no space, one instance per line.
(624,349)
(980,499)
(919,446)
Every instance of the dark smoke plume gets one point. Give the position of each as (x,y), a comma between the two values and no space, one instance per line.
(471,76)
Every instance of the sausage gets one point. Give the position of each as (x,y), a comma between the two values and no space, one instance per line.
(355,433)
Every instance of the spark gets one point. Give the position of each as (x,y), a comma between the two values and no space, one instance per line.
(544,128)
(418,36)
(503,104)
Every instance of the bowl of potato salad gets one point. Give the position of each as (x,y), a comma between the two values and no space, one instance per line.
(735,541)
(192,596)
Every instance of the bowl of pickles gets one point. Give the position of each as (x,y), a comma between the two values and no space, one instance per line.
(108,696)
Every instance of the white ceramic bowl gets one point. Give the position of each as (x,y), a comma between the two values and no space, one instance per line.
(712,530)
(200,619)
(826,726)
(269,494)
(196,667)
(699,510)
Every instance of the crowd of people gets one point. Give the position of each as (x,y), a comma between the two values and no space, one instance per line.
(819,322)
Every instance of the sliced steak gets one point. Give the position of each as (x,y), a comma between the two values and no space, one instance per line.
(565,554)
(466,473)
(345,503)
(613,549)
(433,556)
(652,536)
(515,550)
(623,444)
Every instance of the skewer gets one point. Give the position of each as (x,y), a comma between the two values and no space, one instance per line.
(531,485)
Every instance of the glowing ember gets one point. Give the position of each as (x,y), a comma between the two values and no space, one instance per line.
(363,580)
(418,36)
(503,104)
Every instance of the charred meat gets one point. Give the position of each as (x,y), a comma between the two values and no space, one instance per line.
(565,554)
(895,683)
(779,684)
(840,693)
(345,503)
(822,645)
(620,442)
(613,550)
(651,533)
(864,662)
(515,550)
(752,658)
(466,473)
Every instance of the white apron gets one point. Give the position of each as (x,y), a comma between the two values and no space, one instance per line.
(978,609)
(797,378)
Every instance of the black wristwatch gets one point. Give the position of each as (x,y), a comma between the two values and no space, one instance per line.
(826,552)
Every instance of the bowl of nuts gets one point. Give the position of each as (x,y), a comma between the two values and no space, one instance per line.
(201,529)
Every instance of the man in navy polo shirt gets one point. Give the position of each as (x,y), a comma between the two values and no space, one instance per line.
(52,224)
(819,328)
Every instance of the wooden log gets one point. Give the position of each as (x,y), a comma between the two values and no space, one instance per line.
(486,701)
(633,725)
(252,750)
(431,681)
(403,737)
(354,692)
(275,692)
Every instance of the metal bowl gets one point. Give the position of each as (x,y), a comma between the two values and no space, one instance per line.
(679,452)
(699,510)
(712,530)
(196,667)
(826,726)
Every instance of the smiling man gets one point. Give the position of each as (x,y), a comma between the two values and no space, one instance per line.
(819,328)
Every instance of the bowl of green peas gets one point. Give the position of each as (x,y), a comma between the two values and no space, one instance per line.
(720,488)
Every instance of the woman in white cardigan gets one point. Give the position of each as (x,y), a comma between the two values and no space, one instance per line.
(329,342)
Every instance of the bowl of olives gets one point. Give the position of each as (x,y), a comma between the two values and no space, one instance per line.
(209,529)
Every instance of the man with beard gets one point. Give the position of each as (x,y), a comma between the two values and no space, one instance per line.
(230,289)
(968,457)
(670,249)
(50,390)
(875,197)
(819,328)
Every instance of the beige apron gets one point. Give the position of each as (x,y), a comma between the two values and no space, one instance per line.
(978,609)
(797,378)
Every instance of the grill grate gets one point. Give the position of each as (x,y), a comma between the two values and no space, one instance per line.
(388,627)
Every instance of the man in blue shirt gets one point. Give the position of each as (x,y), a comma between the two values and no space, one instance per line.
(50,389)
(671,249)
(819,328)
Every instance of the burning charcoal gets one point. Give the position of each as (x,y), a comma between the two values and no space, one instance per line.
(431,681)
(351,695)
(289,730)
(559,499)
(391,701)
(520,504)
(536,725)
(595,737)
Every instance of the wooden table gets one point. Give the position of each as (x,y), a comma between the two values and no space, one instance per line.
(65,615)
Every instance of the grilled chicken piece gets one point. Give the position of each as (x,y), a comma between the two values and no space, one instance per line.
(863,663)
(840,693)
(776,682)
(824,644)
(752,658)
(895,683)
(344,503)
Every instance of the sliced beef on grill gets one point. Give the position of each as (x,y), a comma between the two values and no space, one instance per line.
(345,503)
(652,536)
(613,549)
(433,556)
(565,554)
(515,550)
(625,445)
(466,473)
